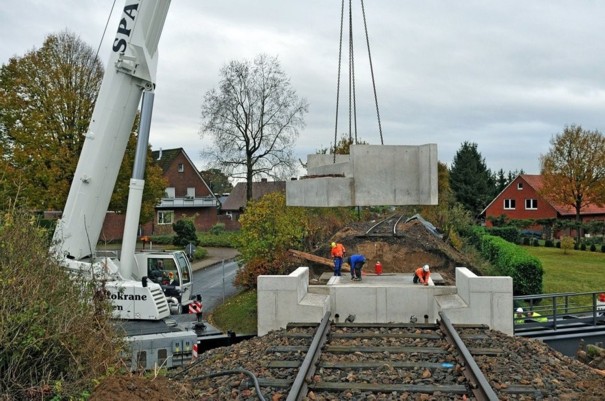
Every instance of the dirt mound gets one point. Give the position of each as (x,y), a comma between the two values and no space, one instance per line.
(413,246)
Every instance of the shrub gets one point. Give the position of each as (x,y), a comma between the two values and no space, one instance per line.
(583,246)
(525,241)
(200,253)
(603,248)
(56,335)
(185,233)
(548,243)
(246,276)
(535,242)
(512,260)
(509,233)
(567,243)
(593,248)
(225,239)
(217,229)
(558,244)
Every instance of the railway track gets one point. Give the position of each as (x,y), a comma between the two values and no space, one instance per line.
(393,361)
(386,227)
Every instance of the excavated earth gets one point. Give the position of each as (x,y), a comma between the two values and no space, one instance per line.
(567,379)
(412,247)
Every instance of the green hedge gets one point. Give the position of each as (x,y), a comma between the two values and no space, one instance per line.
(509,233)
(510,260)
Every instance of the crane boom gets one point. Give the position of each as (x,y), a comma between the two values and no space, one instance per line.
(131,69)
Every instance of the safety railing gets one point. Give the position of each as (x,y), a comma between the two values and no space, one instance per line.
(558,310)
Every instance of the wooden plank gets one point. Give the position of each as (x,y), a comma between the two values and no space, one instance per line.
(318,259)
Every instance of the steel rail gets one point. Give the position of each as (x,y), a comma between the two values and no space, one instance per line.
(479,385)
(384,221)
(396,224)
(307,369)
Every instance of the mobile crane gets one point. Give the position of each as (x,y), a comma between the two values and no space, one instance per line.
(141,286)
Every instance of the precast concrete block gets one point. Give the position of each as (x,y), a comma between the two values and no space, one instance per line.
(491,284)
(320,192)
(318,160)
(343,169)
(379,175)
(395,175)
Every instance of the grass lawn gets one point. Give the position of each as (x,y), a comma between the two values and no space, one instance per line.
(576,271)
(237,314)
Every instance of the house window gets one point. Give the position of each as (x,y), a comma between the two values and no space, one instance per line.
(519,185)
(531,204)
(190,193)
(165,217)
(509,204)
(181,167)
(169,192)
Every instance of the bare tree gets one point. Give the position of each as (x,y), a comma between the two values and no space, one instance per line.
(573,170)
(253,117)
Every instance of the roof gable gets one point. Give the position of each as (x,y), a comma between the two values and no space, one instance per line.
(535,181)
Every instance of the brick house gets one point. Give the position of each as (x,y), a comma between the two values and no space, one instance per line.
(187,195)
(521,199)
(236,201)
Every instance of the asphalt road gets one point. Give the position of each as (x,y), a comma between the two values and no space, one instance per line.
(215,284)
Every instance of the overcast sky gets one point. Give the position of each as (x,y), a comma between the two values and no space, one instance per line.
(506,75)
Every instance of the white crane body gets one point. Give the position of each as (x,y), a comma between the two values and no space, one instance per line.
(136,293)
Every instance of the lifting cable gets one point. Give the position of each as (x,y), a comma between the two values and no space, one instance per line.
(363,10)
(342,7)
(352,91)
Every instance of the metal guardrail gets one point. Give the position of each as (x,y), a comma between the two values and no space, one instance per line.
(561,310)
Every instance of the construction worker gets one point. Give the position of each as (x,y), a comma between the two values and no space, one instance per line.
(537,317)
(422,275)
(338,252)
(519,316)
(356,262)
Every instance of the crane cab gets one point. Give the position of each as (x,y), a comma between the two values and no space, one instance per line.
(172,271)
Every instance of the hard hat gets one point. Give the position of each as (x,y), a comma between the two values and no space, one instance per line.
(333,244)
(602,297)
(426,268)
(519,310)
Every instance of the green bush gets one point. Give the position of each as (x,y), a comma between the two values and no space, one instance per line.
(200,253)
(514,261)
(509,233)
(162,239)
(185,233)
(525,241)
(593,248)
(603,248)
(558,244)
(56,332)
(535,242)
(549,243)
(217,229)
(225,239)
(583,246)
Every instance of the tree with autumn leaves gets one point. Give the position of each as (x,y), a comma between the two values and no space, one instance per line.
(46,101)
(573,170)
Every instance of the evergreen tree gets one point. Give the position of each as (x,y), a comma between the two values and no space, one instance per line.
(470,180)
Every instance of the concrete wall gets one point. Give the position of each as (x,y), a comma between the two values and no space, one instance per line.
(383,299)
(373,175)
(284,299)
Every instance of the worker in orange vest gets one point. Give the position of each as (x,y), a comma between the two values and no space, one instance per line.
(422,275)
(338,253)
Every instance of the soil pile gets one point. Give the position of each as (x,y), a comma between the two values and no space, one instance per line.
(412,247)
